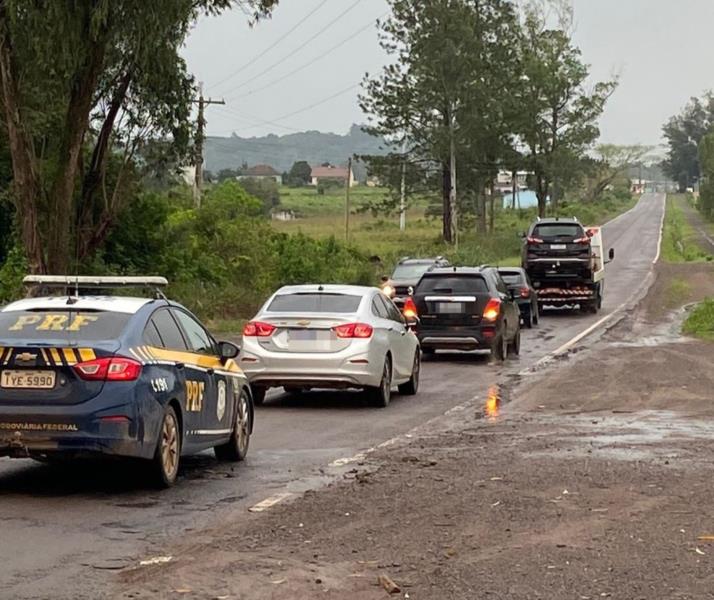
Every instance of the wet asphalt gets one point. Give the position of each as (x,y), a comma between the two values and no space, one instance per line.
(65,531)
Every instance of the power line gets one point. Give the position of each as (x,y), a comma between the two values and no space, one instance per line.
(310,63)
(269,48)
(296,50)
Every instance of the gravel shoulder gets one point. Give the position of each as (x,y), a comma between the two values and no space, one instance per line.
(589,479)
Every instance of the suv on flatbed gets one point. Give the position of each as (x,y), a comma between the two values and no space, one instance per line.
(557,247)
(466,308)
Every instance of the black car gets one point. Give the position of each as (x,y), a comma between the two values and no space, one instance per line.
(407,274)
(519,284)
(466,308)
(557,247)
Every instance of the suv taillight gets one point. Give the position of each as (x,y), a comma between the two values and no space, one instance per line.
(109,369)
(258,329)
(410,310)
(353,331)
(492,310)
(534,240)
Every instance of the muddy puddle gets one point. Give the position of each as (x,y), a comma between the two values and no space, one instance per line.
(640,436)
(669,331)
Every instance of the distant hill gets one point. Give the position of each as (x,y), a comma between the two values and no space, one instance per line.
(282,151)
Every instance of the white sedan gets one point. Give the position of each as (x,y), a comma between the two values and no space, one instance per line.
(331,336)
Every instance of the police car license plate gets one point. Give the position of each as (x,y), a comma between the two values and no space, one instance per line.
(32,380)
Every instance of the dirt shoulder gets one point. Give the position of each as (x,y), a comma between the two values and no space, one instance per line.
(594,481)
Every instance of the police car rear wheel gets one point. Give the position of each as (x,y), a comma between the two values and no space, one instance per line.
(236,448)
(168,450)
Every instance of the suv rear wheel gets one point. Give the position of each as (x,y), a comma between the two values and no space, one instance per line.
(499,349)
(515,346)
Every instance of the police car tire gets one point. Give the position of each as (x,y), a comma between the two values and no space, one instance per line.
(160,476)
(231,451)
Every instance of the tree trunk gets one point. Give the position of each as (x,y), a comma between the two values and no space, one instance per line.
(446,203)
(26,182)
(85,226)
(541,193)
(452,194)
(481,217)
(492,207)
(75,126)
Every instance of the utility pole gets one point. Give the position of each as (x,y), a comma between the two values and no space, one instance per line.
(347,200)
(403,190)
(198,147)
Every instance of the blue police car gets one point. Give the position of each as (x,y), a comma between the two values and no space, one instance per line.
(114,375)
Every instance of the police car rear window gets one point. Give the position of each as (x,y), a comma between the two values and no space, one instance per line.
(315,303)
(61,324)
(453,284)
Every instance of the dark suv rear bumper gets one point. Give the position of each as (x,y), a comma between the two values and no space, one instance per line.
(479,338)
(539,268)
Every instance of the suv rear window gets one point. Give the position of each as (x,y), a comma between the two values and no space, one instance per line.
(511,278)
(453,284)
(37,325)
(557,230)
(315,303)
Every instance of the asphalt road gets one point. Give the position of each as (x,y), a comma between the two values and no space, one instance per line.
(65,530)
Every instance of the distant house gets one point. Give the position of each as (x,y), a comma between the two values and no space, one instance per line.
(261,172)
(332,173)
(504,181)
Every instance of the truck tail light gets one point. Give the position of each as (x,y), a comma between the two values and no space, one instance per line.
(492,310)
(258,329)
(109,369)
(410,310)
(353,331)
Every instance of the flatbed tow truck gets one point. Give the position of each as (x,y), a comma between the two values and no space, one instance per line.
(566,264)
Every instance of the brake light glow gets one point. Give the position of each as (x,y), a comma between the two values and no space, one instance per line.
(410,310)
(492,310)
(258,329)
(353,331)
(534,240)
(109,369)
(525,292)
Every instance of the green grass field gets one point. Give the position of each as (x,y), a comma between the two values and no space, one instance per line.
(324,216)
(700,322)
(680,242)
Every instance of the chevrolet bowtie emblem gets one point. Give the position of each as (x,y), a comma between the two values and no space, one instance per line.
(26,357)
(303,323)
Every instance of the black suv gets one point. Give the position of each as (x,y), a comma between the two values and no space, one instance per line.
(407,274)
(557,248)
(465,308)
(519,284)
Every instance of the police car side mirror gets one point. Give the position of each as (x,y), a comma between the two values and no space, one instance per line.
(228,350)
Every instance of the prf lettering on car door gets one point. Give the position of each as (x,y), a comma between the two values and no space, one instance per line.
(194,395)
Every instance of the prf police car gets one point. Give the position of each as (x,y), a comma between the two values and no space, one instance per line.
(114,375)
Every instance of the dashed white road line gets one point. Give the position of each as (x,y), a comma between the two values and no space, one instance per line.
(270,502)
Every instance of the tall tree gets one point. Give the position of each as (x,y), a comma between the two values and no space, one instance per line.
(559,113)
(80,81)
(441,52)
(683,133)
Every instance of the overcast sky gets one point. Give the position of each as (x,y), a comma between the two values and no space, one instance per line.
(301,69)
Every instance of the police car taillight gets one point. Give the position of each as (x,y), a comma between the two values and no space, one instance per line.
(109,369)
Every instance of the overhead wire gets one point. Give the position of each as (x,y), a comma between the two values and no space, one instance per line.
(296,50)
(269,48)
(325,54)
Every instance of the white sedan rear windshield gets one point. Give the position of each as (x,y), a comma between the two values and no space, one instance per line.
(315,303)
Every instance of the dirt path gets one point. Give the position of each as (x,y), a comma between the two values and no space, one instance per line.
(593,481)
(704,239)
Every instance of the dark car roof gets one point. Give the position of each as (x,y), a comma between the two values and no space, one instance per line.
(458,270)
(420,261)
(553,221)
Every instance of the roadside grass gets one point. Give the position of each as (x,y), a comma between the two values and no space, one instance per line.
(680,239)
(700,322)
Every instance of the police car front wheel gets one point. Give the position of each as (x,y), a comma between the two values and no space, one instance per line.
(236,448)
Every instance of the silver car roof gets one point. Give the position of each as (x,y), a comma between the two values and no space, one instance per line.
(356,290)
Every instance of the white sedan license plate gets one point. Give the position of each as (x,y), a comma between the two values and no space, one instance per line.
(558,246)
(31,380)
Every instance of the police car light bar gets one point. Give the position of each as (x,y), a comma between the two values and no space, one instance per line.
(85,281)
